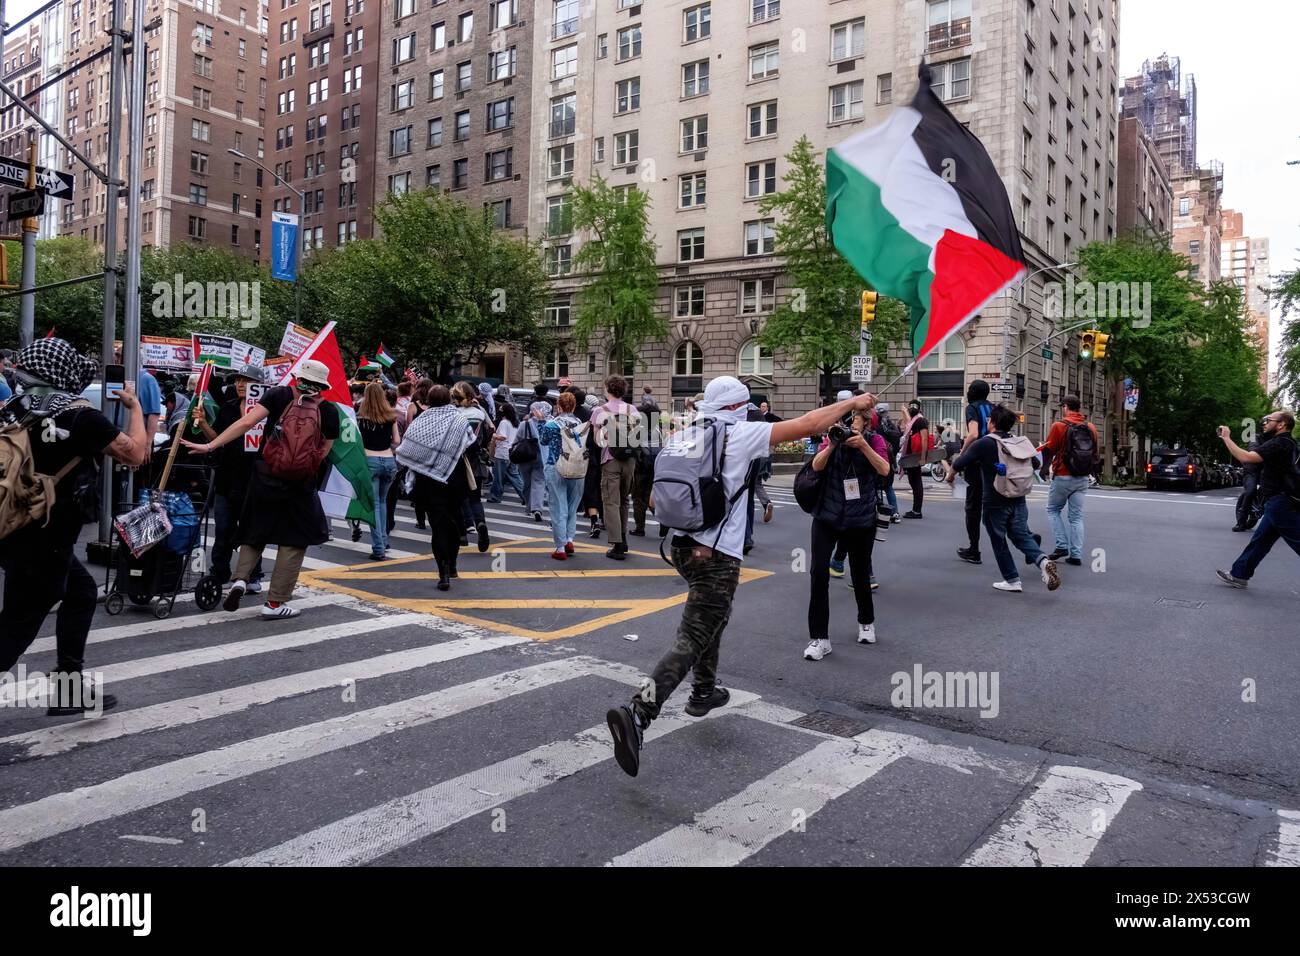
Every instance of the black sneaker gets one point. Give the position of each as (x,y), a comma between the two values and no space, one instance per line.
(105,702)
(639,532)
(969,556)
(912,514)
(627,733)
(237,589)
(464,538)
(699,706)
(1058,554)
(1077,562)
(616,553)
(356,531)
(537,516)
(484,542)
(1227,578)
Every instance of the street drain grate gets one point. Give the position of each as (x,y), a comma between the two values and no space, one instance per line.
(1175,602)
(829,723)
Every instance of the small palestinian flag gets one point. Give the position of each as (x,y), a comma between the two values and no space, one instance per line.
(367,364)
(383,358)
(918,209)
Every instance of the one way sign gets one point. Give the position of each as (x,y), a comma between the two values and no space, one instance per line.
(52,182)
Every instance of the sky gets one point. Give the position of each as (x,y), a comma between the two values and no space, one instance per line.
(1243,55)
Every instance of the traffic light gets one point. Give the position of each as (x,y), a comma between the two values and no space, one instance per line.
(1087,344)
(869,306)
(1099,345)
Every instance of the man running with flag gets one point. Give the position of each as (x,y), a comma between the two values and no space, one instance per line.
(916,206)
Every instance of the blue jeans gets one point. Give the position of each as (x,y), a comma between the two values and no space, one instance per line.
(566,495)
(382,470)
(1003,520)
(1281,520)
(534,479)
(505,471)
(1067,491)
(891,498)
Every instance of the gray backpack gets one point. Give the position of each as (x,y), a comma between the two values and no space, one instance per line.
(1016,455)
(688,491)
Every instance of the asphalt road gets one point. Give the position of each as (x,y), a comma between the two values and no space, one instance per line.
(395,724)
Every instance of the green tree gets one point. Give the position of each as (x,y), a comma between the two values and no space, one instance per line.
(1194,362)
(819,324)
(618,261)
(437,288)
(164,270)
(74,312)
(1286,294)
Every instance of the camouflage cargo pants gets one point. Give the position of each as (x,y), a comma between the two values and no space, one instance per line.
(712,577)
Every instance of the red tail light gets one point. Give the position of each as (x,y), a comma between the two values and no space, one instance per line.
(1191,469)
(1148,467)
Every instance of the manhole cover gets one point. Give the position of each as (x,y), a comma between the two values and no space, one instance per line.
(829,723)
(1175,602)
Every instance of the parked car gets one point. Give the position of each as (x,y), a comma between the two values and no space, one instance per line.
(1179,468)
(521,398)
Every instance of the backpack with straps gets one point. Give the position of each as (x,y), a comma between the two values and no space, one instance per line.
(296,446)
(688,491)
(985,411)
(26,495)
(1079,453)
(892,434)
(573,459)
(1016,456)
(618,432)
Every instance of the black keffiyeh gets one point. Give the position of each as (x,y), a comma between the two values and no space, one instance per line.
(61,374)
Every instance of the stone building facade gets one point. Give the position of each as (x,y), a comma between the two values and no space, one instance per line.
(22,73)
(1145,198)
(1245,262)
(1036,80)
(1197,221)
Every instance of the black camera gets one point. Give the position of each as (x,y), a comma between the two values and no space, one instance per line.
(838,433)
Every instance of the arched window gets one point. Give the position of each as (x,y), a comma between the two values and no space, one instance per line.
(557,364)
(950,358)
(688,360)
(754,359)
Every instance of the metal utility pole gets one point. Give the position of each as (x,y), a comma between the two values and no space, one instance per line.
(27,302)
(135,132)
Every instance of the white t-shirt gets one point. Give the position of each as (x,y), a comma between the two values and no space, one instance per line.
(506,431)
(746,441)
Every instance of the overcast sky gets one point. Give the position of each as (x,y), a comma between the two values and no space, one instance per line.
(1243,54)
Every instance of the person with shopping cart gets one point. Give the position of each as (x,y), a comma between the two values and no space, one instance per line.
(51,442)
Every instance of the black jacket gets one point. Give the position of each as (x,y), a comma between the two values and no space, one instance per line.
(845,464)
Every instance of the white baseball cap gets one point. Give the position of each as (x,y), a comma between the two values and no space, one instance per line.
(310,370)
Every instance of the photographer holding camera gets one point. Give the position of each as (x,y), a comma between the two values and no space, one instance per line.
(850,469)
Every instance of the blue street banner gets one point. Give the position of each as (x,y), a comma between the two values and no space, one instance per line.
(284,246)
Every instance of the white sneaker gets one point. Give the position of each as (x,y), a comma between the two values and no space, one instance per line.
(284,610)
(816,650)
(1050,577)
(1015,586)
(866,633)
(254,587)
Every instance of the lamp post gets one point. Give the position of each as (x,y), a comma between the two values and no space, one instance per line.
(302,203)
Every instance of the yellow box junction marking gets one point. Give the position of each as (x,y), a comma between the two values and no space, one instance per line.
(353,580)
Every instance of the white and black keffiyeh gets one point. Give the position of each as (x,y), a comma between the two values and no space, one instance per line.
(434,442)
(61,373)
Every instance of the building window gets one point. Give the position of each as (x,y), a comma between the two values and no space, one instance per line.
(627,148)
(504,13)
(1184,207)
(198,227)
(760,179)
(951,81)
(500,114)
(498,165)
(761,10)
(629,43)
(762,119)
(627,95)
(557,364)
(695,134)
(948,22)
(462,127)
(399,184)
(564,62)
(465,27)
(760,237)
(849,39)
(403,96)
(559,312)
(846,102)
(764,60)
(437,37)
(598,150)
(464,76)
(884,89)
(688,359)
(198,162)
(560,161)
(460,174)
(198,194)
(499,211)
(695,78)
(697,22)
(433,176)
(399,141)
(565,16)
(602,46)
(757,296)
(559,260)
(689,301)
(693,190)
(437,84)
(435,131)
(559,215)
(754,359)
(564,115)
(403,8)
(404,48)
(690,245)
(502,64)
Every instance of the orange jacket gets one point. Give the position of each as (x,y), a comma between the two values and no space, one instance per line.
(1055,443)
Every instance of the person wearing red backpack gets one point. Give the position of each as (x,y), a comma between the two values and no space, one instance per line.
(1071,452)
(282,507)
(917,440)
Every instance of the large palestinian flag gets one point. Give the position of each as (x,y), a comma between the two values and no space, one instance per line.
(918,209)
